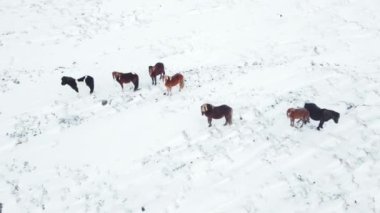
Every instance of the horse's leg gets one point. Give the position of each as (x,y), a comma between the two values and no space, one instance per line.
(209,119)
(291,122)
(121,84)
(228,120)
(136,83)
(320,126)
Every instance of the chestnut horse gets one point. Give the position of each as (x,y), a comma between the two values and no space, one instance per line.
(155,70)
(217,112)
(124,78)
(300,113)
(173,81)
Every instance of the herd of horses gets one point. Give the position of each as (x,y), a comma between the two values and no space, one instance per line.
(310,110)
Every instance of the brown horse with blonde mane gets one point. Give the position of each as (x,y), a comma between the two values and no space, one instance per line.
(173,81)
(124,78)
(217,112)
(300,113)
(155,70)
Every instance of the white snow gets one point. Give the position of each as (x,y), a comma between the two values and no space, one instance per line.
(66,152)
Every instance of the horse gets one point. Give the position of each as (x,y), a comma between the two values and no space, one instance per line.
(89,82)
(173,81)
(70,81)
(300,113)
(217,112)
(124,78)
(321,115)
(155,70)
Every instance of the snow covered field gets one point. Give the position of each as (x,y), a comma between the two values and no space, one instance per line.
(66,152)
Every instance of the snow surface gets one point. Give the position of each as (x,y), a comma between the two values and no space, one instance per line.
(143,151)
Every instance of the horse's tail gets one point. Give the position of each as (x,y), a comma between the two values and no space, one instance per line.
(307,116)
(181,83)
(82,79)
(136,82)
(230,117)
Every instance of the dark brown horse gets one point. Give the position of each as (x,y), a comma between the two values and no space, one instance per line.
(217,112)
(124,78)
(155,70)
(173,81)
(300,113)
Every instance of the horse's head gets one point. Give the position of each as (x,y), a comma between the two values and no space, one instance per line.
(204,109)
(289,111)
(150,68)
(336,117)
(63,81)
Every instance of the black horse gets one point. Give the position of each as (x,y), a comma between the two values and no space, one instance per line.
(321,115)
(89,82)
(70,81)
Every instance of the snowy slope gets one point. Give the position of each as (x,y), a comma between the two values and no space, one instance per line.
(143,151)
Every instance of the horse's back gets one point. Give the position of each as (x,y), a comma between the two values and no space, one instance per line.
(159,66)
(177,77)
(223,109)
(314,111)
(297,113)
(128,76)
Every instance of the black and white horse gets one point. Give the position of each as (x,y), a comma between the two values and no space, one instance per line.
(73,83)
(89,82)
(321,115)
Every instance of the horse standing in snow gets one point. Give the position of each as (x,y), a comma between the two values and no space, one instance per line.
(301,113)
(173,81)
(73,83)
(124,78)
(155,70)
(217,112)
(321,115)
